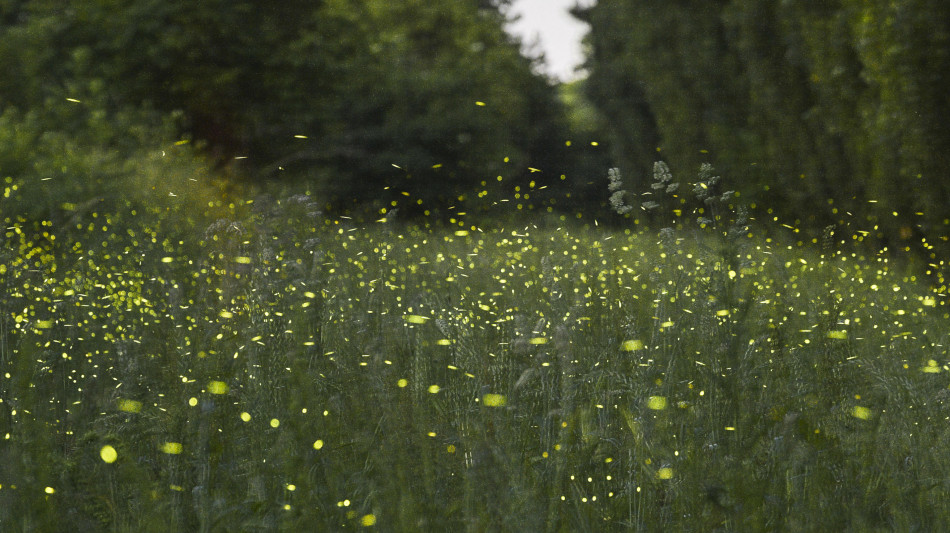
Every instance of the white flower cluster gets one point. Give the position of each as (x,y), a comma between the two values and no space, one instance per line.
(615,186)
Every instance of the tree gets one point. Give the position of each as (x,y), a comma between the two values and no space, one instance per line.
(335,92)
(841,101)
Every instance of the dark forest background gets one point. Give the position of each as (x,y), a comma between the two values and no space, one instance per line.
(832,112)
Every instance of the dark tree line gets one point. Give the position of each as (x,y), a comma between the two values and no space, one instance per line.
(336,92)
(797,102)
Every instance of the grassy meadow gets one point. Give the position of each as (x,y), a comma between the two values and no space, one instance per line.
(255,365)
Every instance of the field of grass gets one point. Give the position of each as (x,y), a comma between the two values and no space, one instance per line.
(271,368)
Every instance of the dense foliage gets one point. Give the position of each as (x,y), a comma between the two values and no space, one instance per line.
(182,351)
(430,98)
(804,102)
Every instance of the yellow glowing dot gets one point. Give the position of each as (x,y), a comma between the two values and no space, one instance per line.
(108,454)
(657,403)
(632,345)
(218,387)
(402,383)
(861,412)
(245,416)
(443,342)
(450,448)
(130,406)
(286,506)
(538,340)
(274,422)
(49,490)
(167,260)
(368,520)
(431,433)
(416,319)
(494,400)
(433,389)
(317,444)
(479,104)
(225,314)
(193,401)
(664,473)
(291,487)
(171,448)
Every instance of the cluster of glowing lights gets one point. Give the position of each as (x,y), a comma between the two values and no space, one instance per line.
(239,302)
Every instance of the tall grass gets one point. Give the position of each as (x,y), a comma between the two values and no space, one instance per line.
(272,368)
